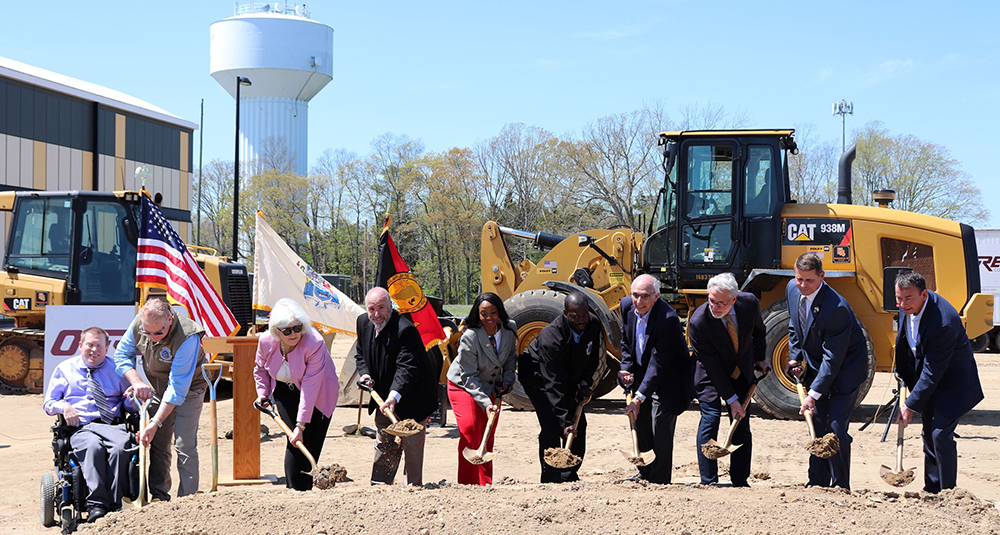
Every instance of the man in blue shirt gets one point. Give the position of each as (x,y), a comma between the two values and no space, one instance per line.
(89,394)
(171,351)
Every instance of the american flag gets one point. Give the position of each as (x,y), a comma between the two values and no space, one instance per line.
(164,262)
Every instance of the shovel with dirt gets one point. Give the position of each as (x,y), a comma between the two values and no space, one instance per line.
(563,458)
(481,456)
(634,456)
(898,477)
(712,449)
(824,447)
(323,478)
(405,428)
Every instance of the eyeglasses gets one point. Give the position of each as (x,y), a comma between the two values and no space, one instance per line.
(718,304)
(156,333)
(287,331)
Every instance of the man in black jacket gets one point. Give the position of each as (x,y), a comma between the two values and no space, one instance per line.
(557,372)
(657,368)
(392,360)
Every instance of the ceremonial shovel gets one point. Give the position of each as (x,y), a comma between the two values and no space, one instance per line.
(898,477)
(392,416)
(284,427)
(634,457)
(355,430)
(817,446)
(481,456)
(140,500)
(573,460)
(212,385)
(712,449)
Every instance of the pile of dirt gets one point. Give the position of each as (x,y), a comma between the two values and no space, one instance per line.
(561,458)
(713,451)
(825,446)
(405,427)
(898,479)
(581,507)
(328,476)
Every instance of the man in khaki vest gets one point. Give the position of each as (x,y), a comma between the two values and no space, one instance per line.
(172,356)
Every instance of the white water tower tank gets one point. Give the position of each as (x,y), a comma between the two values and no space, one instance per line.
(288,58)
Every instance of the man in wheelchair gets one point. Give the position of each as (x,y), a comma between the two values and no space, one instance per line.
(92,397)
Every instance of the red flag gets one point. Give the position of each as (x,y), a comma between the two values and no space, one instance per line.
(394,275)
(164,262)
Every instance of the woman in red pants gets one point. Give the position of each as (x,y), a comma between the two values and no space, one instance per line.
(484,367)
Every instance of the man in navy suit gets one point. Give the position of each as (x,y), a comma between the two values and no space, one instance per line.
(934,358)
(656,366)
(824,335)
(727,337)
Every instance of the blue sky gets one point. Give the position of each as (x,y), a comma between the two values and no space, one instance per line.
(454,73)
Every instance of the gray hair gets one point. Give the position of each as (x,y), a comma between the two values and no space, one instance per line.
(726,282)
(286,313)
(155,309)
(377,293)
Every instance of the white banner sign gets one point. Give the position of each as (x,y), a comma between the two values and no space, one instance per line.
(64,323)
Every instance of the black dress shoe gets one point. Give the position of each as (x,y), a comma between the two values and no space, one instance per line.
(637,477)
(96,512)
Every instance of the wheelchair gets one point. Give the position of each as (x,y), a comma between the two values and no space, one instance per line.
(64,493)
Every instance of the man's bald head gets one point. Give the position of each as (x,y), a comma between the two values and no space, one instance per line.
(645,290)
(379,306)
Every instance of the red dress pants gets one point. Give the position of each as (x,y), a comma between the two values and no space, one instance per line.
(471,421)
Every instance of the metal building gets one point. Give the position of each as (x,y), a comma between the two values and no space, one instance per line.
(288,59)
(60,133)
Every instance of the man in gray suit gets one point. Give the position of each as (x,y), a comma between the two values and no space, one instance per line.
(828,349)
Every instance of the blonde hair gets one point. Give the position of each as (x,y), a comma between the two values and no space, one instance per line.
(287,312)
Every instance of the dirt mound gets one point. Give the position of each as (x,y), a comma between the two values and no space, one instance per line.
(584,506)
(329,476)
(898,479)
(825,446)
(405,427)
(561,458)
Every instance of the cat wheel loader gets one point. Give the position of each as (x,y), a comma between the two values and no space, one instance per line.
(77,248)
(726,205)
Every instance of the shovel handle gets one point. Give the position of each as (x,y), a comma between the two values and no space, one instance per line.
(489,428)
(808,414)
(631,426)
(378,399)
(287,431)
(899,432)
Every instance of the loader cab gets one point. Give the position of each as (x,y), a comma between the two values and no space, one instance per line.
(87,239)
(721,205)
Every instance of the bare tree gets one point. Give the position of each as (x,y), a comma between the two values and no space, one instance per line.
(813,171)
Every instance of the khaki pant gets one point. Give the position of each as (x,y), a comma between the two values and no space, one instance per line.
(182,427)
(389,449)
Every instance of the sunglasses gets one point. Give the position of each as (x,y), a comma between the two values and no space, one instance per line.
(150,333)
(287,331)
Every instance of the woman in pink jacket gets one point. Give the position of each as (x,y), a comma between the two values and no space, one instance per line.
(294,367)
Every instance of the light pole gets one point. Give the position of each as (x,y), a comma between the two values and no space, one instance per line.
(843,109)
(240,80)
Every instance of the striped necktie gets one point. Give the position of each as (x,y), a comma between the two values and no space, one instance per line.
(731,329)
(107,415)
(803,312)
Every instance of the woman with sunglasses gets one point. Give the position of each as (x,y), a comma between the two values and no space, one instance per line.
(294,367)
(483,369)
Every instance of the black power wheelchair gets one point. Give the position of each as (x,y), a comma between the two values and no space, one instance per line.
(64,493)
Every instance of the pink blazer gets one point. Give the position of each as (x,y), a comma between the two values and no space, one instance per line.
(311,369)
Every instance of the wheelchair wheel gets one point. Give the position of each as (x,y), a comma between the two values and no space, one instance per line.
(47,502)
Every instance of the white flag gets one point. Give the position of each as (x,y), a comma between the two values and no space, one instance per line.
(279,272)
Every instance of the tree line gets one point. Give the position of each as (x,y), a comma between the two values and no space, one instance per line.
(607,174)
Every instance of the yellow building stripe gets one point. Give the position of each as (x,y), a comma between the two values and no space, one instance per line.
(38,168)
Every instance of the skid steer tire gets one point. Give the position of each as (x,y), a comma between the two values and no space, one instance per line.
(776,393)
(531,311)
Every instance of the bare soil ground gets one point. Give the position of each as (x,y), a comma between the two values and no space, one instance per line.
(602,502)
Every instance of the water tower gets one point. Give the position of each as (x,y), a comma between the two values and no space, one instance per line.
(288,58)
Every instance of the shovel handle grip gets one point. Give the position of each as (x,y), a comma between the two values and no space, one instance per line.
(490,420)
(378,399)
(808,414)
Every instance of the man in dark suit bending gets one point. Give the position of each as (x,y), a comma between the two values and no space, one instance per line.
(827,347)
(656,367)
(391,359)
(934,358)
(727,336)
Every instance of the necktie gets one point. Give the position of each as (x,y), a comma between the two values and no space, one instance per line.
(731,329)
(803,311)
(493,343)
(99,398)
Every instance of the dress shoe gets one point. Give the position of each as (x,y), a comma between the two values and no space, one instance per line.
(637,477)
(95,512)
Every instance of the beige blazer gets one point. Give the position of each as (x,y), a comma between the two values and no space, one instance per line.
(478,368)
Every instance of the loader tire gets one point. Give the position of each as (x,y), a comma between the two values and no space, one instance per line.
(776,393)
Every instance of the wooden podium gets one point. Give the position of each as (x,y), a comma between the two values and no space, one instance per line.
(246,419)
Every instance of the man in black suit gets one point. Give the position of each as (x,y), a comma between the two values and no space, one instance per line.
(391,359)
(727,338)
(934,358)
(557,372)
(657,368)
(825,336)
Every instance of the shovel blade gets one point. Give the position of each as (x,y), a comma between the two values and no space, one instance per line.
(351,429)
(642,459)
(473,457)
(397,433)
